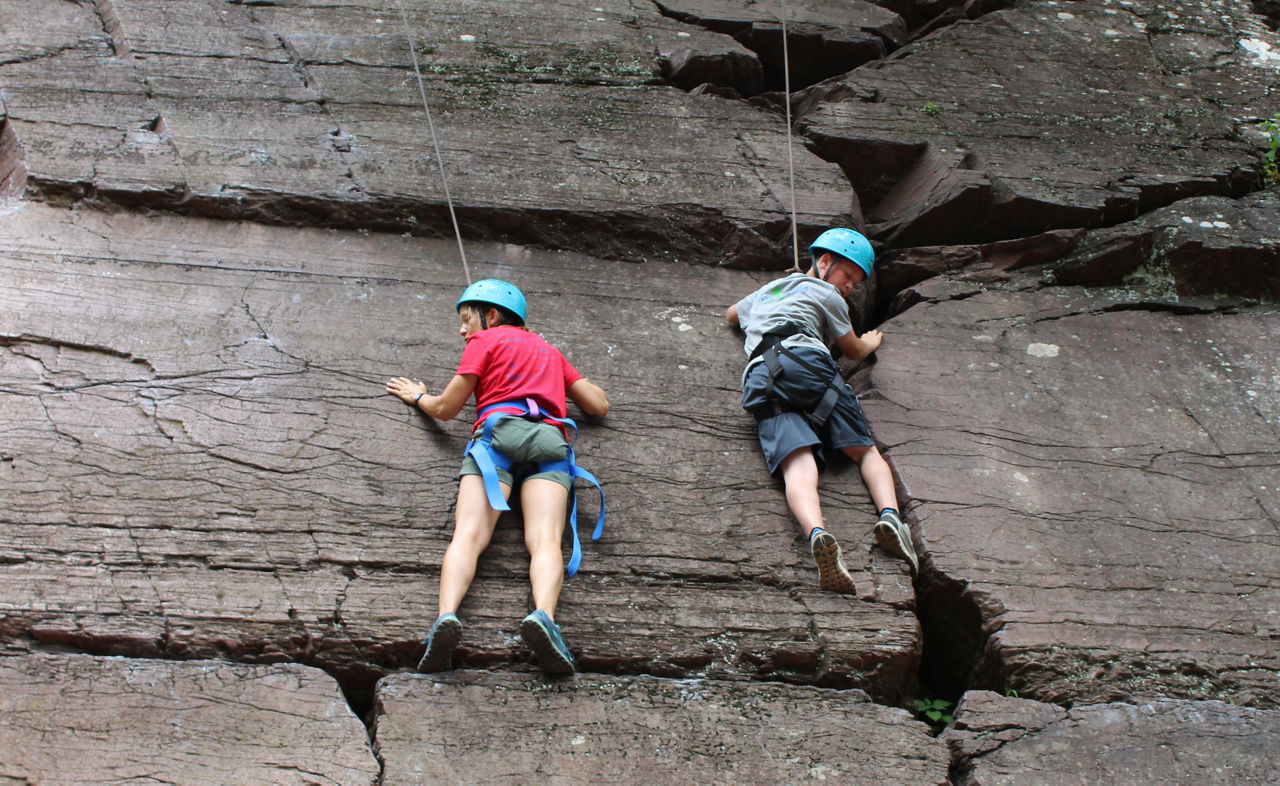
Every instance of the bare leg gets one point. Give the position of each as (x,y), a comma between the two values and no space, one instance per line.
(473,527)
(800,476)
(891,533)
(545,506)
(876,474)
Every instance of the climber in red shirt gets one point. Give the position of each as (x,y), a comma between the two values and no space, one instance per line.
(521,435)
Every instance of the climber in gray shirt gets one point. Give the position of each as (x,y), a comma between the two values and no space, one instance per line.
(802,404)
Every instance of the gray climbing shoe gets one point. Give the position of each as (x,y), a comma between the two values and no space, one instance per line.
(831,572)
(543,637)
(441,641)
(894,537)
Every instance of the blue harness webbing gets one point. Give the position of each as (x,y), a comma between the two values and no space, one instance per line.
(490,461)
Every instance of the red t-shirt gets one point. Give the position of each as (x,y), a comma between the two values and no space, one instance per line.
(513,364)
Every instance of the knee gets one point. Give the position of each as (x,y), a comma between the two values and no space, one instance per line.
(862,453)
(468,539)
(539,540)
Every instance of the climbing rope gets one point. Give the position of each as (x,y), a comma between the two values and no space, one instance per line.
(791,166)
(422,91)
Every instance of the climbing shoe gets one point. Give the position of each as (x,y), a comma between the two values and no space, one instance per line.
(441,642)
(831,573)
(894,537)
(543,637)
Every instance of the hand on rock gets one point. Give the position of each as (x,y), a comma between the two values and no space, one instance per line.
(405,389)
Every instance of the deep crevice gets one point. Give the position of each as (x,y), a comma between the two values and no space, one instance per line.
(952,626)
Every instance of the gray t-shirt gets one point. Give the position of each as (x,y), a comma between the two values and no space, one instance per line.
(811,304)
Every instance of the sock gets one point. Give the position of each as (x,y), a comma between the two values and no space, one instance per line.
(813,533)
(894,511)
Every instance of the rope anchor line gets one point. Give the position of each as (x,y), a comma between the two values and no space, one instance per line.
(791,166)
(422,91)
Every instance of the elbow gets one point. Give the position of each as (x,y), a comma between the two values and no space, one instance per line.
(599,407)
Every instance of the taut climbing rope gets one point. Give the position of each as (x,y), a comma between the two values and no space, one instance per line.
(422,91)
(791,167)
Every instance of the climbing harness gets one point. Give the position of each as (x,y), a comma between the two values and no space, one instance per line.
(422,91)
(770,347)
(490,461)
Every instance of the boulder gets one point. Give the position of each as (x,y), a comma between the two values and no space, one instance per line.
(73,719)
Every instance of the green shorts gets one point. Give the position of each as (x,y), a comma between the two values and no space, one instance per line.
(526,443)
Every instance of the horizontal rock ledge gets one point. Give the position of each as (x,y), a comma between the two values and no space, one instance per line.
(999,739)
(81,719)
(702,731)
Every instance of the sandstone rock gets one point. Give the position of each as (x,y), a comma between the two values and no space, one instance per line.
(305,114)
(824,38)
(198,440)
(77,719)
(1008,740)
(999,128)
(629,730)
(1094,474)
(1206,246)
(1077,391)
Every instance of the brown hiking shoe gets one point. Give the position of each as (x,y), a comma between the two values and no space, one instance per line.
(894,537)
(831,573)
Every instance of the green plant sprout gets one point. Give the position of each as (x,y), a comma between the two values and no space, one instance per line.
(931,109)
(1270,164)
(934,710)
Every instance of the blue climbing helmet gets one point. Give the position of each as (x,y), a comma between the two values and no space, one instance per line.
(851,245)
(494,292)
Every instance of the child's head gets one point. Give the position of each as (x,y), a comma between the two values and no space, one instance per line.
(842,257)
(490,303)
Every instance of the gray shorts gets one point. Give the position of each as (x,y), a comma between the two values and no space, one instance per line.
(526,443)
(785,433)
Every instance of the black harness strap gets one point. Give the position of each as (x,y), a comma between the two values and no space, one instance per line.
(770,347)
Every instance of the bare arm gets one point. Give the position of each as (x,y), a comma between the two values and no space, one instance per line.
(856,348)
(442,407)
(589,397)
(732,314)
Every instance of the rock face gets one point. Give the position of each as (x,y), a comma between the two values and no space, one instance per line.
(1131,447)
(223,227)
(999,128)
(286,114)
